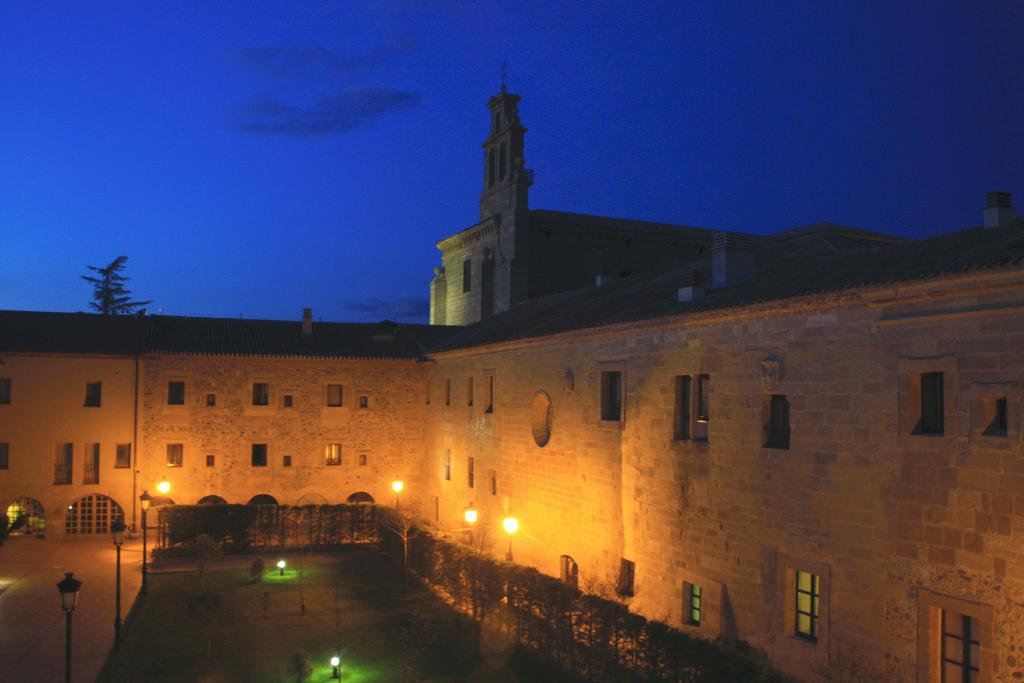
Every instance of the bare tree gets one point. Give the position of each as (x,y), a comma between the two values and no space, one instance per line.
(403,525)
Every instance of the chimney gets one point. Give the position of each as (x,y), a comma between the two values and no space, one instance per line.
(307,322)
(732,259)
(691,287)
(999,210)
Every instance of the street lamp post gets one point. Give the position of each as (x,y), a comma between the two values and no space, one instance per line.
(117,531)
(397,485)
(335,667)
(144,500)
(511,525)
(68,601)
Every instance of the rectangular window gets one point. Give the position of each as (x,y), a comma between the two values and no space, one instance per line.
(335,395)
(1000,418)
(960,648)
(681,430)
(286,461)
(92,464)
(175,454)
(448,392)
(259,455)
(447,465)
(5,453)
(470,472)
(611,396)
(332,454)
(288,401)
(211,460)
(175,393)
(703,416)
(5,390)
(932,416)
(211,400)
(260,394)
(64,463)
(691,597)
(489,393)
(807,596)
(469,391)
(364,401)
(93,394)
(467,275)
(124,456)
(362,459)
(776,425)
(626,574)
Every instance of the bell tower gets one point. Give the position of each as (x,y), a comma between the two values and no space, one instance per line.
(506,180)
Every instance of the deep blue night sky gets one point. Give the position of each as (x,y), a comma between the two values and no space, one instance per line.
(254,158)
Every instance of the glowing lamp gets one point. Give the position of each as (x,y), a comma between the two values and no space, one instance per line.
(511,525)
(164,487)
(281,566)
(470,515)
(145,499)
(335,663)
(397,485)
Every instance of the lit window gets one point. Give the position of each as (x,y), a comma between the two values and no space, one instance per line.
(176,394)
(807,596)
(93,394)
(692,594)
(335,395)
(260,394)
(332,454)
(611,396)
(259,455)
(175,454)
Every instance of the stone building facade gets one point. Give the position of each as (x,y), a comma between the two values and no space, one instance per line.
(811,442)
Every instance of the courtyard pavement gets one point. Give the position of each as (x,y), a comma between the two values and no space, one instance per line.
(31,621)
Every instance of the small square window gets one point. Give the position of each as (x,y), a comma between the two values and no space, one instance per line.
(288,401)
(175,454)
(932,405)
(286,461)
(123,458)
(807,598)
(362,459)
(335,395)
(93,394)
(175,393)
(470,472)
(259,455)
(364,401)
(611,396)
(1000,418)
(5,390)
(776,421)
(211,400)
(211,460)
(692,598)
(626,575)
(332,454)
(5,452)
(260,394)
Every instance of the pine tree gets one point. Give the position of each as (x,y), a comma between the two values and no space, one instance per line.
(110,297)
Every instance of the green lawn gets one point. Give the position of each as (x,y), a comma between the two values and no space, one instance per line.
(381,632)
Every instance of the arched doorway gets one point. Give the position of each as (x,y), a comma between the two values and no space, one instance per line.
(31,514)
(360,497)
(91,515)
(212,500)
(262,499)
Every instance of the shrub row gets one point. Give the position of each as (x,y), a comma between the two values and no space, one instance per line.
(594,638)
(243,527)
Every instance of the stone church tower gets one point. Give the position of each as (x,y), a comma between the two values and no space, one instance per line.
(484,267)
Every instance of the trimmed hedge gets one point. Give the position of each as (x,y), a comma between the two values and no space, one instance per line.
(244,527)
(594,638)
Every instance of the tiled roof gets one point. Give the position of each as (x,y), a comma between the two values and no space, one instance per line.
(87,333)
(797,263)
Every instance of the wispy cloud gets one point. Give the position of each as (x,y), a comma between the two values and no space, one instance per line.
(291,61)
(393,308)
(338,113)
